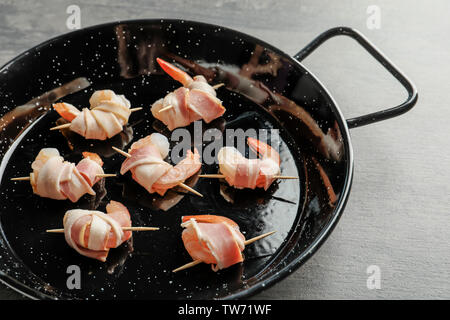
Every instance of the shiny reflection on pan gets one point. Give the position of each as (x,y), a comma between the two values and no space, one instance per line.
(286,110)
(14,122)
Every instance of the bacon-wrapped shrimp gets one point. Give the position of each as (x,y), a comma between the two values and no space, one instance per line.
(214,240)
(106,117)
(241,172)
(54,178)
(194,101)
(93,233)
(148,168)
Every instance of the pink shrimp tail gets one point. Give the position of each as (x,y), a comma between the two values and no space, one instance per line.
(176,73)
(67,111)
(94,157)
(263,150)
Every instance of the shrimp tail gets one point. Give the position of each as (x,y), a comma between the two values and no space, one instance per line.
(94,157)
(176,73)
(263,150)
(66,110)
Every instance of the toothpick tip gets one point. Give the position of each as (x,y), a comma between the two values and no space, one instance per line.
(20,179)
(217,86)
(125,154)
(106,175)
(188,265)
(190,189)
(63,126)
(165,108)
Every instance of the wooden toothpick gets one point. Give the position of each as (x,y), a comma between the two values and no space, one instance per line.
(188,265)
(63,126)
(20,179)
(182,185)
(123,228)
(100,175)
(166,108)
(125,154)
(106,175)
(249,241)
(220,176)
(217,86)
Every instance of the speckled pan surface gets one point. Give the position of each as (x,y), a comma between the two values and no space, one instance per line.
(265,89)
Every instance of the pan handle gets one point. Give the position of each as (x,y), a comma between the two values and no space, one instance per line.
(376,53)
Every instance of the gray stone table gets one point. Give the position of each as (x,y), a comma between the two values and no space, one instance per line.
(398,214)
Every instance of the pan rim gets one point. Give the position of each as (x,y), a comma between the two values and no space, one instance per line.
(320,238)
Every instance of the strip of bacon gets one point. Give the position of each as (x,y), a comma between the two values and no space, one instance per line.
(215,240)
(178,173)
(194,101)
(241,172)
(90,167)
(205,105)
(54,178)
(93,233)
(106,117)
(149,169)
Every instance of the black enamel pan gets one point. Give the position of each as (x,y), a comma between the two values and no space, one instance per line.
(264,88)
